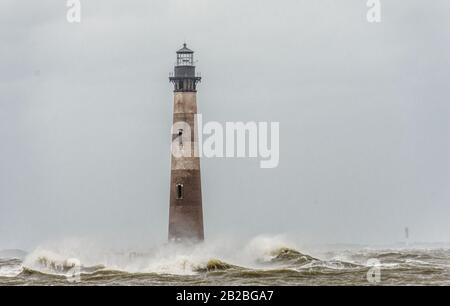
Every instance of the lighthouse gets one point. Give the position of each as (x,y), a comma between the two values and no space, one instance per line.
(185,212)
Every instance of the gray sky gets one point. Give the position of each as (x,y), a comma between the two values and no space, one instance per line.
(364,109)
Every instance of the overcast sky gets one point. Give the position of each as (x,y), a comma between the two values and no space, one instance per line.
(364,112)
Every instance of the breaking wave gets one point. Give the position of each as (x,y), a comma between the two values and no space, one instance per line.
(260,261)
(261,253)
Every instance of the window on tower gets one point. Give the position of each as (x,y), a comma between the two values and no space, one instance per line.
(180,137)
(180,191)
(185,59)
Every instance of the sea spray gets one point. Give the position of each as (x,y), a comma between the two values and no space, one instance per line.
(272,261)
(169,258)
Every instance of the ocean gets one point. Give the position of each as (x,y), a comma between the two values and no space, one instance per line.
(262,261)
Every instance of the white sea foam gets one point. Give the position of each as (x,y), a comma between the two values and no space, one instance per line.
(10,270)
(174,259)
(262,254)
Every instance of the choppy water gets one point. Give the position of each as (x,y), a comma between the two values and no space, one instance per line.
(259,262)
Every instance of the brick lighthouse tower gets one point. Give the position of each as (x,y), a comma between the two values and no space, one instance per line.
(185,214)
